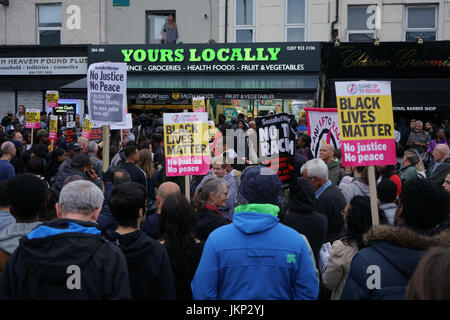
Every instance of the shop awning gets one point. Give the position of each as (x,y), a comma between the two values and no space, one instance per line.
(273,82)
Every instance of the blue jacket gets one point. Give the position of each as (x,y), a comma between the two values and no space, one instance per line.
(255,258)
(392,256)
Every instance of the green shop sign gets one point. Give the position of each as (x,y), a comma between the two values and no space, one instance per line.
(254,57)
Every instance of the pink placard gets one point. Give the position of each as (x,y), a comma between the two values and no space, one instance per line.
(187,166)
(376,152)
(52,135)
(32,125)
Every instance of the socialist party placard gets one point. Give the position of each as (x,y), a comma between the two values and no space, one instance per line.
(107,92)
(366,123)
(276,143)
(186,143)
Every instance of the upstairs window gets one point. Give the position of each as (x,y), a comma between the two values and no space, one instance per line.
(244,21)
(295,20)
(361,23)
(421,21)
(49,24)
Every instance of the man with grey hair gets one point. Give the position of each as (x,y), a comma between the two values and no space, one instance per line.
(68,258)
(97,164)
(83,143)
(437,172)
(418,139)
(329,199)
(6,168)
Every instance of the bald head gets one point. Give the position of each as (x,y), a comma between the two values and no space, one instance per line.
(165,190)
(441,152)
(8,149)
(326,153)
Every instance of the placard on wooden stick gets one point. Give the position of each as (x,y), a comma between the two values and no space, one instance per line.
(366,125)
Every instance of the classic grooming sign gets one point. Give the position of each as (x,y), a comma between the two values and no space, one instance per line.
(252,57)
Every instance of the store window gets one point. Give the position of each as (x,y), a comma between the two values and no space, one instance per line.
(49,23)
(421,21)
(244,21)
(361,23)
(155,26)
(295,20)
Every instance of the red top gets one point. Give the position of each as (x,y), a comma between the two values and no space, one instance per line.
(396,179)
(209,206)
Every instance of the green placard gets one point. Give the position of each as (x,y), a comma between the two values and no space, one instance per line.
(121,3)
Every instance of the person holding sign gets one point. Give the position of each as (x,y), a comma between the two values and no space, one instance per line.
(382,269)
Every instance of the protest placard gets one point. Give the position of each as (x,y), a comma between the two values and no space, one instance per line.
(186,143)
(32,118)
(366,123)
(53,134)
(276,143)
(198,104)
(70,135)
(87,128)
(70,119)
(127,125)
(51,99)
(96,133)
(107,93)
(323,128)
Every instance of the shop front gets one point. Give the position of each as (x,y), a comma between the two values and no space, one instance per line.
(419,74)
(27,72)
(253,79)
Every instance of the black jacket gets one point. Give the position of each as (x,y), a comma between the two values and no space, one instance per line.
(105,219)
(184,273)
(136,173)
(68,171)
(304,217)
(149,269)
(208,220)
(51,258)
(396,251)
(331,203)
(440,173)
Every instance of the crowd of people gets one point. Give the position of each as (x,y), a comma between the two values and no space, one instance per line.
(71,230)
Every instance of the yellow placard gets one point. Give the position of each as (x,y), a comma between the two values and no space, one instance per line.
(186,139)
(52,96)
(365,117)
(53,124)
(32,117)
(87,125)
(198,104)
(212,130)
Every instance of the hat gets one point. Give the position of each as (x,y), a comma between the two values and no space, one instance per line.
(41,133)
(80,160)
(259,184)
(73,146)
